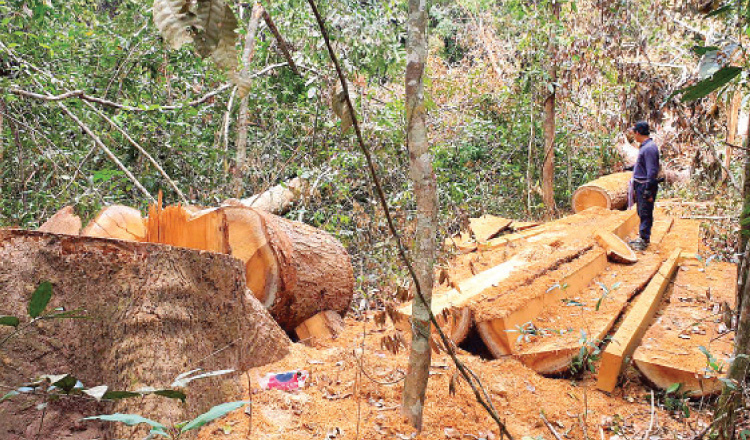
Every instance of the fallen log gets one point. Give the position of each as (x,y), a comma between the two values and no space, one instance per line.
(64,221)
(154,312)
(691,344)
(277,199)
(610,192)
(592,312)
(117,221)
(629,334)
(294,269)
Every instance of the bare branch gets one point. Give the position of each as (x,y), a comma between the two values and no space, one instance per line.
(283,46)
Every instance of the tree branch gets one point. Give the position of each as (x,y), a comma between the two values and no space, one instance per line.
(476,385)
(107,151)
(283,46)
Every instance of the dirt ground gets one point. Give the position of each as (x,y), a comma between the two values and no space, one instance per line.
(355,383)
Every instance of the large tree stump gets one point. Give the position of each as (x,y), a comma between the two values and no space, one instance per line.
(610,191)
(155,312)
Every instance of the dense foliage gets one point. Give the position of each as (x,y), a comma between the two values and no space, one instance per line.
(487,80)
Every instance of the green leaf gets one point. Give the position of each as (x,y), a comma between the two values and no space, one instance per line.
(40,298)
(719,11)
(117,395)
(702,50)
(708,85)
(172,394)
(11,321)
(729,383)
(705,351)
(673,388)
(213,414)
(9,395)
(67,383)
(128,419)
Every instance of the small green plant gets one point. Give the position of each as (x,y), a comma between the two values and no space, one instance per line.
(177,430)
(587,356)
(606,291)
(35,309)
(712,364)
(675,401)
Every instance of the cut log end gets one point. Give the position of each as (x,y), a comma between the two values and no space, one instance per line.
(322,327)
(610,192)
(64,221)
(118,222)
(617,250)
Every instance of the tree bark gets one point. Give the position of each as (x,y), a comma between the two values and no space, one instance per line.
(425,191)
(548,167)
(154,312)
(247,57)
(732,120)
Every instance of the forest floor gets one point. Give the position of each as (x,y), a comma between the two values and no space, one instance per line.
(355,384)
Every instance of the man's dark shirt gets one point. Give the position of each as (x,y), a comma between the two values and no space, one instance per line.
(647,166)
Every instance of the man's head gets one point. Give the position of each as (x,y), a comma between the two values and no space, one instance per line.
(641,131)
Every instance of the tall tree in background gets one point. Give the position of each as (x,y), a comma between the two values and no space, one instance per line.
(548,167)
(247,56)
(425,191)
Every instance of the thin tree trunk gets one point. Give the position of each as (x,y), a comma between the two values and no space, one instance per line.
(247,56)
(425,191)
(744,234)
(530,161)
(548,168)
(732,120)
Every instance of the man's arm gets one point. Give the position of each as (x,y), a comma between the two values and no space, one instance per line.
(651,160)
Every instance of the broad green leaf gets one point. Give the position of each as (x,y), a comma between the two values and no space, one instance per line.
(67,383)
(673,388)
(128,419)
(117,395)
(213,414)
(11,321)
(708,85)
(702,50)
(40,298)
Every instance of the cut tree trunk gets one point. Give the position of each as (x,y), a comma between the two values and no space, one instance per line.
(488,226)
(277,199)
(64,221)
(610,191)
(117,221)
(295,270)
(155,312)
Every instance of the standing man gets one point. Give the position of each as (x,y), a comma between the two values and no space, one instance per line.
(645,183)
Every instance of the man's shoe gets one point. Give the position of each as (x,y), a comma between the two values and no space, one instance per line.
(638,244)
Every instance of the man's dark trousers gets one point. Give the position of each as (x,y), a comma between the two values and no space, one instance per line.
(645,208)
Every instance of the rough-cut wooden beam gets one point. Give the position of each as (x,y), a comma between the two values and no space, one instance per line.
(628,336)
(450,306)
(488,226)
(700,298)
(65,221)
(505,240)
(500,334)
(662,226)
(553,353)
(323,326)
